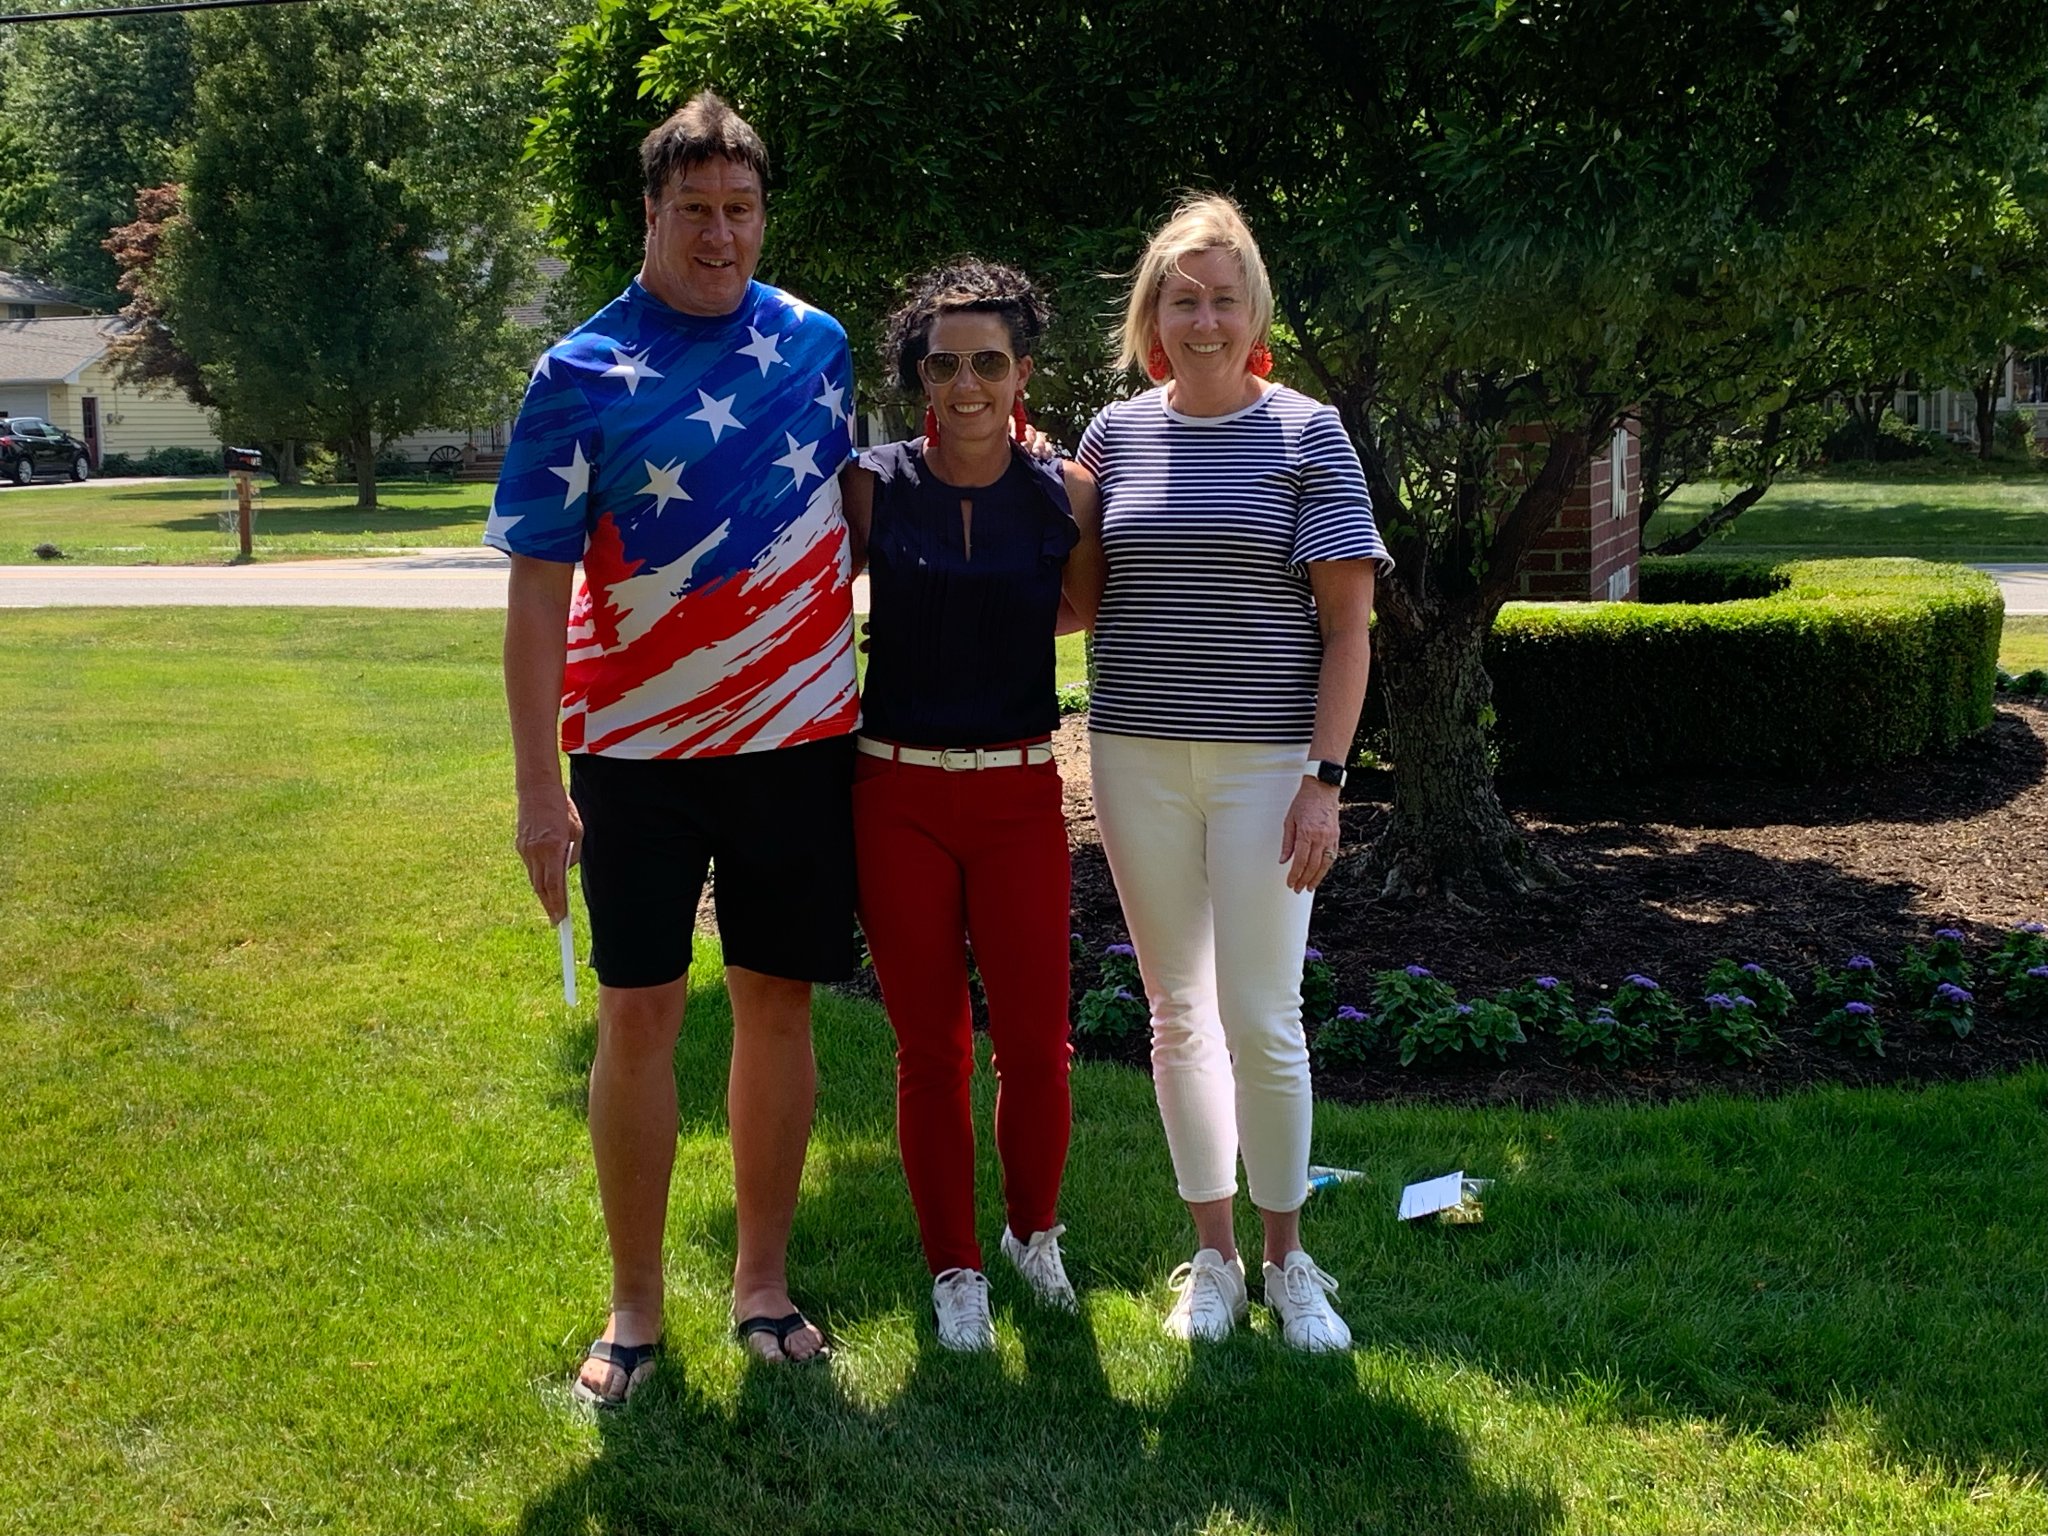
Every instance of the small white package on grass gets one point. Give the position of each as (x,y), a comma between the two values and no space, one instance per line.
(1453,1199)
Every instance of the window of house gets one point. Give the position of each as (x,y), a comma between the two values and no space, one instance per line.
(21,311)
(1617,473)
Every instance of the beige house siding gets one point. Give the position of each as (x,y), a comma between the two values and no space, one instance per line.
(130,421)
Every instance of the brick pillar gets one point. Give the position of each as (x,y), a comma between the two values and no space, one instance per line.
(1589,553)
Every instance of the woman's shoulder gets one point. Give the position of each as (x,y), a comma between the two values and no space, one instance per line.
(892,462)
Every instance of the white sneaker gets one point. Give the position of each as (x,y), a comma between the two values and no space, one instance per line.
(1211,1296)
(1299,1293)
(1038,1261)
(960,1305)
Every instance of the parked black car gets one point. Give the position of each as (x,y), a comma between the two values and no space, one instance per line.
(30,446)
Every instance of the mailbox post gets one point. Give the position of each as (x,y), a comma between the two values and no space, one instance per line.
(243,463)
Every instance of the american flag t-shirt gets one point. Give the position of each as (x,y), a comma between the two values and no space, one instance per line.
(692,465)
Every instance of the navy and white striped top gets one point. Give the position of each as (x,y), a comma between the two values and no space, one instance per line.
(1207,630)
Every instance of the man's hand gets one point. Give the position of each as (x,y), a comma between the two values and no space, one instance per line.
(1308,840)
(549,839)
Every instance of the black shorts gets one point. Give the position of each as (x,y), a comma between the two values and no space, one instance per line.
(777,827)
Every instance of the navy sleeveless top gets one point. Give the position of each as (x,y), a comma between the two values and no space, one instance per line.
(963,604)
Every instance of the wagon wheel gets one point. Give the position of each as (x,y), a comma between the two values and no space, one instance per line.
(445,461)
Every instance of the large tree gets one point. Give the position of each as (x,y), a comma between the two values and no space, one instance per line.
(1495,226)
(324,292)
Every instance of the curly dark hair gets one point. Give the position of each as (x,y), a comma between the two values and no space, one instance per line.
(964,285)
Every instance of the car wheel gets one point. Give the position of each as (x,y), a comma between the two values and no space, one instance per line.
(22,471)
(81,467)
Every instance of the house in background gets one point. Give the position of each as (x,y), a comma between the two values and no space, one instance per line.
(24,298)
(56,367)
(1591,552)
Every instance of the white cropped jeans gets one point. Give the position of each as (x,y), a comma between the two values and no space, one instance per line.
(1192,830)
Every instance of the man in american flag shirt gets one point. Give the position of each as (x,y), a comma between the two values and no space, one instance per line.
(684,445)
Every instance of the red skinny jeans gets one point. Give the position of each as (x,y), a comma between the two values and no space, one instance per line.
(949,859)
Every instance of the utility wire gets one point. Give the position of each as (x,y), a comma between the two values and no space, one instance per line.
(138,10)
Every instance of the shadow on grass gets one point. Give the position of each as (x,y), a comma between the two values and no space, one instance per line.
(1246,1432)
(279,522)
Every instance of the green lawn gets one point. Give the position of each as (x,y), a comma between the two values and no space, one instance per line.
(2024,643)
(1934,514)
(298,1232)
(178,522)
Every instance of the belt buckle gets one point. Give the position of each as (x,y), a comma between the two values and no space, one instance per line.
(969,758)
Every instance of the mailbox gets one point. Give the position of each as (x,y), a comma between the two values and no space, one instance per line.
(243,459)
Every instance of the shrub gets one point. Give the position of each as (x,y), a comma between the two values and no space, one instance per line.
(1856,982)
(1112,1013)
(1543,1004)
(2016,435)
(1348,1040)
(1771,998)
(1729,1030)
(1401,999)
(164,461)
(1119,968)
(1601,1034)
(2029,684)
(1849,664)
(1460,1029)
(2024,948)
(1951,1005)
(1642,1004)
(1318,990)
(1923,972)
(2027,993)
(1854,1025)
(1897,441)
(1073,698)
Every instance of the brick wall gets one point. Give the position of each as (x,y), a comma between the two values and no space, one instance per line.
(1589,552)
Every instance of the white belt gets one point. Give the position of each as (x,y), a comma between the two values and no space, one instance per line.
(956,759)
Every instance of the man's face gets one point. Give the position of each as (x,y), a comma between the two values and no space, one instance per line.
(704,238)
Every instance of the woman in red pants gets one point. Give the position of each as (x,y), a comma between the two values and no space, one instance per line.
(959,829)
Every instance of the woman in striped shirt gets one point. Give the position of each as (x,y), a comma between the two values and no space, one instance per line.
(1230,664)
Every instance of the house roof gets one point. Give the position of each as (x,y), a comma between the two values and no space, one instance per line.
(16,289)
(55,350)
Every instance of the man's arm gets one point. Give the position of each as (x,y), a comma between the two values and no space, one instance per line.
(550,833)
(857,505)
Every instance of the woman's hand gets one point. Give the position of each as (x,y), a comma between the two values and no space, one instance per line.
(1308,840)
(1039,446)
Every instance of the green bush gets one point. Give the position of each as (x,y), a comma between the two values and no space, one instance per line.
(2016,435)
(164,461)
(1848,665)
(1348,1040)
(1600,1033)
(1462,1029)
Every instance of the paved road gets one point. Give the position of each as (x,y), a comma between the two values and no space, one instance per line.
(439,578)
(436,578)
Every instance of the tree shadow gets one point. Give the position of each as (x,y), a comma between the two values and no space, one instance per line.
(276,522)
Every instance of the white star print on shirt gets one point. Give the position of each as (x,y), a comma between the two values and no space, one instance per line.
(762,349)
(717,414)
(664,483)
(498,525)
(575,474)
(630,368)
(801,460)
(830,397)
(540,369)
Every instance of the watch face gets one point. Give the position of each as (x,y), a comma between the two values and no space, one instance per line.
(1331,774)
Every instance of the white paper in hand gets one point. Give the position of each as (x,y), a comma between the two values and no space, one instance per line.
(566,929)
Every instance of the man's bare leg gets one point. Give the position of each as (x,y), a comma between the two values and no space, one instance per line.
(769,1100)
(633,1139)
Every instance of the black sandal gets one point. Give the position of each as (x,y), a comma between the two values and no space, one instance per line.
(629,1360)
(782,1328)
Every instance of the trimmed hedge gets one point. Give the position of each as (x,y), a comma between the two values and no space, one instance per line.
(1802,668)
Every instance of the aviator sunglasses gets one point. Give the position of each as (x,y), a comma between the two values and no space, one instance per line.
(991,365)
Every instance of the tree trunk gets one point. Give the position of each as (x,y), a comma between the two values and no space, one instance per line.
(284,460)
(1868,408)
(363,449)
(1449,836)
(1986,391)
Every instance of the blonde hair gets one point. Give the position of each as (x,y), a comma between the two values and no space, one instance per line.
(1207,221)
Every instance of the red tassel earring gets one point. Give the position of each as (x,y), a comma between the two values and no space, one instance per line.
(931,427)
(1261,360)
(1017,420)
(1155,362)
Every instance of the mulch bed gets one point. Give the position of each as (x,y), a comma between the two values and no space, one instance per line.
(1668,878)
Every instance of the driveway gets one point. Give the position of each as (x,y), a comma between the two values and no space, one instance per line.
(428,578)
(2025,586)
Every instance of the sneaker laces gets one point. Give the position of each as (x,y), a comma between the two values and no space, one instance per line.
(1040,1256)
(1192,1279)
(1302,1281)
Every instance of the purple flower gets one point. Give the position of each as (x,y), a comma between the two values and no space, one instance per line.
(1953,935)
(1858,1010)
(1744,1002)
(1073,938)
(1862,963)
(1752,969)
(1463,1009)
(1350,1015)
(1547,983)
(1311,954)
(1123,950)
(1720,1000)
(1420,972)
(1949,992)
(1640,980)
(1123,995)
(2039,972)
(2033,928)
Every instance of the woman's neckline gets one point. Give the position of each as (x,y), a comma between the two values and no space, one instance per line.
(925,456)
(1266,392)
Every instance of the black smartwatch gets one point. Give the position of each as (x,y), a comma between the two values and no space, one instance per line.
(1326,772)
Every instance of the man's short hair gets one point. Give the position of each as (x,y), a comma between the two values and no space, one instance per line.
(704,128)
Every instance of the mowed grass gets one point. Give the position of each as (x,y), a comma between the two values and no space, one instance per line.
(1949,513)
(178,522)
(2024,643)
(298,1231)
